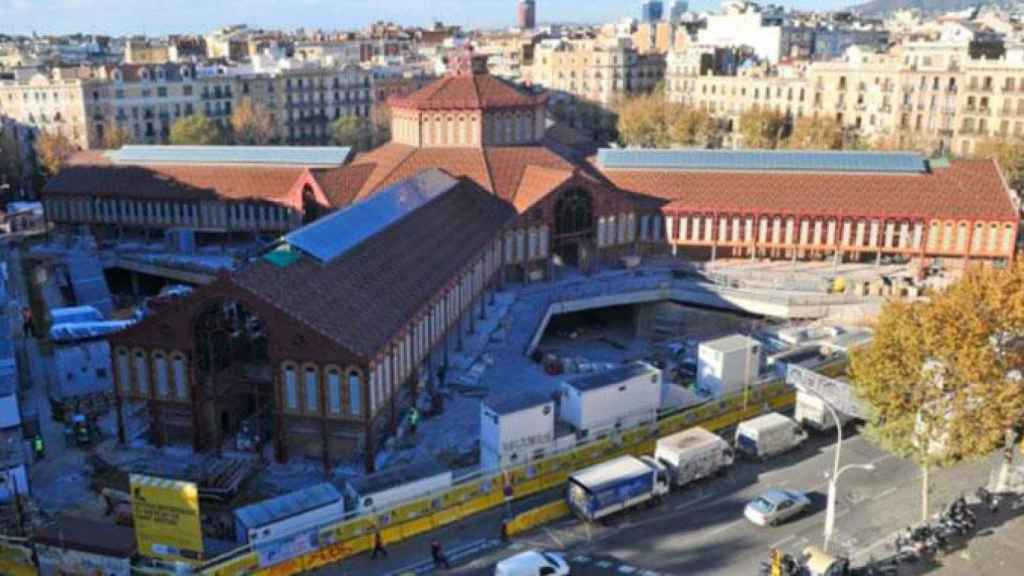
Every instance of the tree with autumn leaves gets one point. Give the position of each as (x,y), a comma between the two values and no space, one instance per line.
(53,150)
(649,121)
(943,377)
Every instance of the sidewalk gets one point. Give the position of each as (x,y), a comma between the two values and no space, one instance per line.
(470,536)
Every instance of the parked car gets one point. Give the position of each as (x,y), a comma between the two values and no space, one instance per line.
(776,506)
(533,563)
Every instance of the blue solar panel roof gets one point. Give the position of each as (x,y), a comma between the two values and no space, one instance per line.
(335,234)
(262,155)
(762,160)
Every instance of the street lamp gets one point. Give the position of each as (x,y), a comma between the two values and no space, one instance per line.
(835,417)
(830,510)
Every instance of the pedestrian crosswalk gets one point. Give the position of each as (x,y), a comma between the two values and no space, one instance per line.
(587,565)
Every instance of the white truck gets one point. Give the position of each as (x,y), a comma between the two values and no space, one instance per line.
(811,412)
(693,454)
(768,435)
(615,485)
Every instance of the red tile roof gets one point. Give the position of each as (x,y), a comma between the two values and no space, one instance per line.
(467,92)
(500,170)
(175,182)
(364,297)
(966,189)
(92,174)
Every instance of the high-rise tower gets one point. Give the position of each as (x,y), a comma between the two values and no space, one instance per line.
(526,14)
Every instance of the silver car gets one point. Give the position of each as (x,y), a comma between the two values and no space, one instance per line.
(776,506)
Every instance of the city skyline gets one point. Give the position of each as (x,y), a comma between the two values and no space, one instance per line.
(111,17)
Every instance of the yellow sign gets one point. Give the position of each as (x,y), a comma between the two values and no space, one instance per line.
(166,514)
(16,560)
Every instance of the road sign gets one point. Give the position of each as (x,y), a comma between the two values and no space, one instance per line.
(838,394)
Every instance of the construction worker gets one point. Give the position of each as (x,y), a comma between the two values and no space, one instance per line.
(414,420)
(38,447)
(26,321)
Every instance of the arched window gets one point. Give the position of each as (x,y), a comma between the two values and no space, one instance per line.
(291,387)
(354,393)
(334,390)
(180,377)
(124,372)
(312,389)
(311,209)
(160,374)
(574,213)
(141,373)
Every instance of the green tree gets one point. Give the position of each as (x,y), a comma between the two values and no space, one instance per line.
(822,133)
(115,136)
(690,126)
(941,377)
(196,130)
(352,131)
(380,124)
(906,139)
(1009,153)
(642,122)
(53,150)
(761,127)
(251,124)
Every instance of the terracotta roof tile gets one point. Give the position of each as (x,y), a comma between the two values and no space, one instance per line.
(967,189)
(465,91)
(496,169)
(173,182)
(535,184)
(364,297)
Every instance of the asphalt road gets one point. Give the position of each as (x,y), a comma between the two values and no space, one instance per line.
(701,529)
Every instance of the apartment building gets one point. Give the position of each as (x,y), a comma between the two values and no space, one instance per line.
(991,101)
(911,101)
(311,98)
(942,92)
(145,100)
(594,69)
(146,52)
(52,102)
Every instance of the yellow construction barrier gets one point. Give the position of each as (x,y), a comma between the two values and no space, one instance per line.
(355,536)
(536,517)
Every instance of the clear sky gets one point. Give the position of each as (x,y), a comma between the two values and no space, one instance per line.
(158,17)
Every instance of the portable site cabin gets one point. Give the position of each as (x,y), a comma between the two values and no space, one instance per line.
(515,429)
(728,364)
(391,487)
(288,514)
(616,398)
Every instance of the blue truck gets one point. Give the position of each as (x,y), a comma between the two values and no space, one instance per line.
(615,485)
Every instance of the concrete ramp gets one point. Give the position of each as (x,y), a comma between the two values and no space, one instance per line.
(85,272)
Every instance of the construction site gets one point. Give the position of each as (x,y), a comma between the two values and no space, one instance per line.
(531,338)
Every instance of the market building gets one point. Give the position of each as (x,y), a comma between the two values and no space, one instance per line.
(336,329)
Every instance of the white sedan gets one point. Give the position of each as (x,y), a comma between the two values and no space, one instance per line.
(776,506)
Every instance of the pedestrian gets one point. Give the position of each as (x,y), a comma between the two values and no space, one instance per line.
(440,560)
(39,447)
(26,321)
(414,420)
(378,546)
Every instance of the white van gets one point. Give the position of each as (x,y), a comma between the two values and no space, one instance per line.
(768,435)
(533,563)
